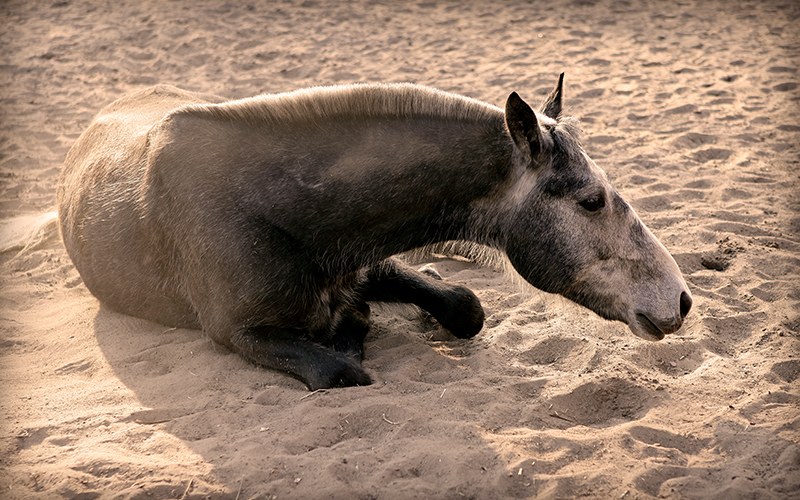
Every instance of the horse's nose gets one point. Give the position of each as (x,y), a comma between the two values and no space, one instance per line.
(686,304)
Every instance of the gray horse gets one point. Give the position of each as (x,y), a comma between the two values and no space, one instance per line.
(270,222)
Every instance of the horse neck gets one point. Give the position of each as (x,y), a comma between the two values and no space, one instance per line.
(391,186)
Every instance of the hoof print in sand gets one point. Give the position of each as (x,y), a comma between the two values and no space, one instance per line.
(602,403)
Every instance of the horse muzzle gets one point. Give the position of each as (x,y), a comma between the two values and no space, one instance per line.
(651,326)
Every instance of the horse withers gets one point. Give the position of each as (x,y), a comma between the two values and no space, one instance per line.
(270,222)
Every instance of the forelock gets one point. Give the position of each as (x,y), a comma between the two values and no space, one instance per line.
(566,134)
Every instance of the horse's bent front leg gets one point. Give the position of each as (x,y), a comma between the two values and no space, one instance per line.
(319,366)
(455,307)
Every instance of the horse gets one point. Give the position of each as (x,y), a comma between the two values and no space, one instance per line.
(271,222)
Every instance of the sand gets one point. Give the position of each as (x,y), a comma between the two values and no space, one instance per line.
(691,108)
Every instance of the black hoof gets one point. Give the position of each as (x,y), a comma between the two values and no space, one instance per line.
(431,271)
(464,316)
(341,372)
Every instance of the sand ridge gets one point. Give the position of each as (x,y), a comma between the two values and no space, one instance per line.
(691,109)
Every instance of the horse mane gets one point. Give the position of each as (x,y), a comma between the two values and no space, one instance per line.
(403,100)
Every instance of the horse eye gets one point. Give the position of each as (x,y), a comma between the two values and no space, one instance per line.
(594,203)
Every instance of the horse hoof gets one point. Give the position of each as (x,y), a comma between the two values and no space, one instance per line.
(464,318)
(343,373)
(430,271)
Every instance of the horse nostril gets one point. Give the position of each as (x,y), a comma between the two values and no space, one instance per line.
(686,304)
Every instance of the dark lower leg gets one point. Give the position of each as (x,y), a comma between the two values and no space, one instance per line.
(320,367)
(455,307)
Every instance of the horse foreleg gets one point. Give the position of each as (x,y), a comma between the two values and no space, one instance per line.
(455,307)
(319,366)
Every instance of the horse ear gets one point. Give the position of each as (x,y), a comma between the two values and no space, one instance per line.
(552,105)
(523,126)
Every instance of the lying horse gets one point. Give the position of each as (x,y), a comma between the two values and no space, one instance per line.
(270,222)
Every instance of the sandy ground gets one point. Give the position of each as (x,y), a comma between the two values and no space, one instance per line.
(691,108)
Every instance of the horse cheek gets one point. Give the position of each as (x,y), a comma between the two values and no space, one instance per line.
(543,249)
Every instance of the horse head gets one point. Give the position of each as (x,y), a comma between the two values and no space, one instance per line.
(567,231)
